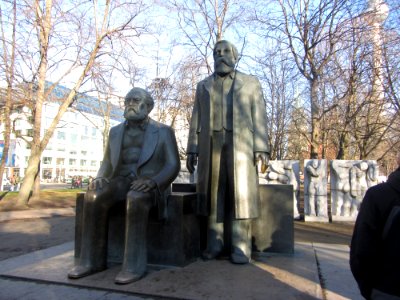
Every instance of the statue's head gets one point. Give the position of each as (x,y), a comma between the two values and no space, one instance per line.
(225,57)
(314,163)
(363,166)
(138,104)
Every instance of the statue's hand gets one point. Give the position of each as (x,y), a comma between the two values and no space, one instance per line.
(264,158)
(191,161)
(98,183)
(143,185)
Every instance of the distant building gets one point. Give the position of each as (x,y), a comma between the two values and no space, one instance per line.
(76,147)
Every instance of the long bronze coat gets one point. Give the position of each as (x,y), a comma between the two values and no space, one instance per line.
(249,136)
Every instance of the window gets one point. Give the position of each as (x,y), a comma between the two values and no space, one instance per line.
(93,163)
(72,161)
(83,162)
(94,131)
(72,152)
(60,161)
(29,132)
(61,135)
(47,160)
(84,153)
(74,138)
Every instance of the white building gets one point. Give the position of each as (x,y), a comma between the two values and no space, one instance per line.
(76,147)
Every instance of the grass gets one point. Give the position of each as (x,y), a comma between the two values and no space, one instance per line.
(48,199)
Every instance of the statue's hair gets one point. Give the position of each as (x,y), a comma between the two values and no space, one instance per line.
(142,94)
(233,47)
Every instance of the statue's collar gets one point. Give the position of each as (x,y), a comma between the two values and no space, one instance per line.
(231,75)
(142,125)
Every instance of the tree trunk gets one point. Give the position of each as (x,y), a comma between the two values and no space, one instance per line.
(343,146)
(315,119)
(29,178)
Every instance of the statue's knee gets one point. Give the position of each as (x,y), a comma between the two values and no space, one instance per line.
(138,201)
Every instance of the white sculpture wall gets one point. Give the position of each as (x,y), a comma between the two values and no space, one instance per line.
(284,172)
(315,190)
(350,179)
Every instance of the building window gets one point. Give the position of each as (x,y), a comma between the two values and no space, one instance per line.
(93,163)
(47,160)
(29,132)
(84,153)
(72,161)
(61,135)
(60,161)
(83,162)
(74,138)
(72,152)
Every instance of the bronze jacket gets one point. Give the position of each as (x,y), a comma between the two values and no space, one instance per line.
(159,158)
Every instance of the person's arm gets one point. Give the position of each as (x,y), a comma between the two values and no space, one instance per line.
(364,244)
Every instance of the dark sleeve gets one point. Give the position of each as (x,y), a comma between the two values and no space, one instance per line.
(172,164)
(365,242)
(106,167)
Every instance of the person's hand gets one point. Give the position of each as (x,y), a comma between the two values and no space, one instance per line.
(143,185)
(264,158)
(98,183)
(191,161)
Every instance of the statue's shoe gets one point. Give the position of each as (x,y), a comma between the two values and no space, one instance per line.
(238,257)
(125,277)
(213,250)
(210,254)
(80,271)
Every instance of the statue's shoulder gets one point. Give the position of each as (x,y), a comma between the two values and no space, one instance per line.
(157,125)
(206,81)
(118,127)
(247,77)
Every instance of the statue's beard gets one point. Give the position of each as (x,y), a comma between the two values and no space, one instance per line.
(137,115)
(222,66)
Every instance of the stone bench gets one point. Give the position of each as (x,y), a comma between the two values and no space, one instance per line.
(175,242)
(179,240)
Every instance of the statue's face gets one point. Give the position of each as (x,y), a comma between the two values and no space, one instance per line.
(135,108)
(224,59)
(314,163)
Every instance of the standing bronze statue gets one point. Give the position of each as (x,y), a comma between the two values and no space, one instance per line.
(228,136)
(140,162)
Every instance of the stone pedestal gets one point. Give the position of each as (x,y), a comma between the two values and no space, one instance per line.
(273,231)
(174,242)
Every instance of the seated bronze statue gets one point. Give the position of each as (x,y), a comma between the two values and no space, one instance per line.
(140,162)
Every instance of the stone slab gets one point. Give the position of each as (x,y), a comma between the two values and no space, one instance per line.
(273,230)
(173,242)
(334,266)
(316,219)
(267,277)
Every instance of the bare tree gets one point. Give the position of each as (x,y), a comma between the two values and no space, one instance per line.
(310,30)
(205,22)
(54,23)
(8,62)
